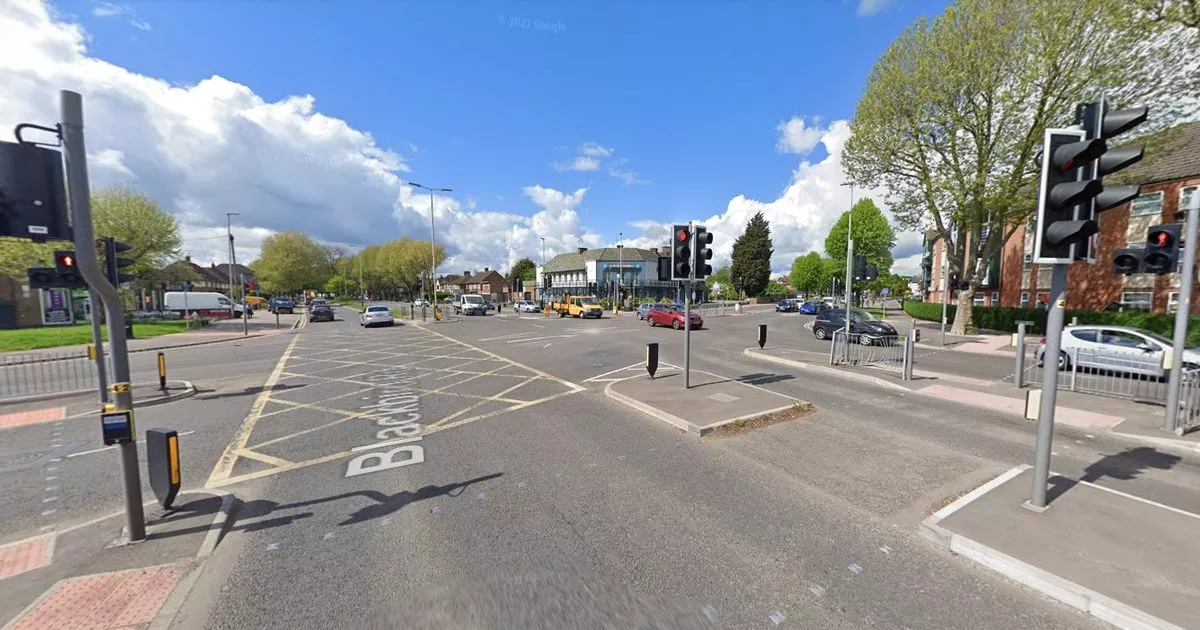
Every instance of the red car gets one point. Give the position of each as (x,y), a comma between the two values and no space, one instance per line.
(666,315)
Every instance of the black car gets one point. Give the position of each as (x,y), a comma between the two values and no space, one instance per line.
(321,313)
(865,329)
(787,305)
(279,305)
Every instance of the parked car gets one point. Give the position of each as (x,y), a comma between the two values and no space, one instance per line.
(526,306)
(667,315)
(643,309)
(420,303)
(282,305)
(376,315)
(787,305)
(813,308)
(1117,349)
(315,303)
(865,329)
(321,313)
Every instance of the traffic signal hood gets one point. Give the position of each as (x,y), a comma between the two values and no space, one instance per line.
(703,239)
(1159,256)
(113,263)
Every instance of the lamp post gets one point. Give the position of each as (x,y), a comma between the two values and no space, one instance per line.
(620,269)
(542,289)
(849,263)
(432,242)
(232,261)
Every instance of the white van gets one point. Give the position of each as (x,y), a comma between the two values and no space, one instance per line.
(471,304)
(203,303)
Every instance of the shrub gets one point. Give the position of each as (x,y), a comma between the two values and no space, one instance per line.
(1004,319)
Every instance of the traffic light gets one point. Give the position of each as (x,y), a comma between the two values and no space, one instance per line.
(681,252)
(870,273)
(704,238)
(43,278)
(66,266)
(1162,249)
(1101,123)
(113,261)
(1128,261)
(33,197)
(664,269)
(860,267)
(955,282)
(1060,223)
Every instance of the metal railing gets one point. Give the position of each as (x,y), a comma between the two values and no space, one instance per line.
(1188,418)
(892,354)
(712,309)
(24,375)
(1133,375)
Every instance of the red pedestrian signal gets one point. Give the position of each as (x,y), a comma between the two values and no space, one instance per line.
(65,260)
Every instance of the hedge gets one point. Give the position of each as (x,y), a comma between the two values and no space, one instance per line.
(1004,319)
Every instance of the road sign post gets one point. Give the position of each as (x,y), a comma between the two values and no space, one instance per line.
(98,343)
(75,152)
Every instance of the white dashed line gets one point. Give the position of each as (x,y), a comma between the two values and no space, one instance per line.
(776,617)
(819,591)
(854,569)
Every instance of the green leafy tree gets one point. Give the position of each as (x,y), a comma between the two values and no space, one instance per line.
(955,109)
(291,262)
(524,269)
(833,269)
(808,273)
(873,235)
(751,264)
(775,290)
(721,276)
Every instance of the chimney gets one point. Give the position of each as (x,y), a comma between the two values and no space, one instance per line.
(580,250)
(466,274)
(485,270)
(187,259)
(666,251)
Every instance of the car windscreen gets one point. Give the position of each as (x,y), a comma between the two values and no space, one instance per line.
(377,309)
(862,316)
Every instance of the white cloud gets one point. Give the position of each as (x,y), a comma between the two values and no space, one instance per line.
(592,156)
(581,163)
(868,8)
(796,136)
(800,218)
(110,160)
(108,9)
(595,150)
(140,25)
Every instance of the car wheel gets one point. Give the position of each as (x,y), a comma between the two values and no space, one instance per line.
(390,324)
(820,333)
(864,340)
(675,324)
(650,321)
(1064,362)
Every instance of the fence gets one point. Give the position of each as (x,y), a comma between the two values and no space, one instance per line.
(892,354)
(40,373)
(1188,418)
(712,309)
(1132,375)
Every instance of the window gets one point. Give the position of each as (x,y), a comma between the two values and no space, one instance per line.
(1172,301)
(995,298)
(1136,300)
(1121,338)
(1149,203)
(1028,261)
(978,299)
(1185,197)
(1084,335)
(1024,299)
(1043,299)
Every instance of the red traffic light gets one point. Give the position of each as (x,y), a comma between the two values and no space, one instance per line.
(681,236)
(1162,239)
(66,260)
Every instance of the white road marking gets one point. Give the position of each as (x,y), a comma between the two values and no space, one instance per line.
(272,546)
(330,535)
(854,569)
(371,447)
(548,345)
(434,510)
(819,591)
(540,338)
(520,334)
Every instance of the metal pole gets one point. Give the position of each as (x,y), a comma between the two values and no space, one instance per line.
(362,288)
(229,228)
(432,253)
(945,287)
(1019,368)
(71,105)
(687,338)
(849,288)
(1045,429)
(245,309)
(1182,310)
(98,341)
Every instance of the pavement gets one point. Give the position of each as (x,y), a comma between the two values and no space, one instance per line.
(472,472)
(1118,557)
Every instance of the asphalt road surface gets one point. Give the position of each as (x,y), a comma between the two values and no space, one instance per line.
(448,476)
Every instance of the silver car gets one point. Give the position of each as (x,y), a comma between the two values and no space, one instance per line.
(376,316)
(1118,349)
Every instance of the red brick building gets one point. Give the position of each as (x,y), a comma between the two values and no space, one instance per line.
(1169,174)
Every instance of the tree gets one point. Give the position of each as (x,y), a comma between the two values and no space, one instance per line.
(721,276)
(775,290)
(335,259)
(291,262)
(873,235)
(524,269)
(751,264)
(834,269)
(955,109)
(808,273)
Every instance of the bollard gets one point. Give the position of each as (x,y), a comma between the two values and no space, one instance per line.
(276,319)
(652,359)
(162,372)
(162,464)
(1019,368)
(910,353)
(762,336)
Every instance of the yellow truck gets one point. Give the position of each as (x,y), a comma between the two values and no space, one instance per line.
(582,306)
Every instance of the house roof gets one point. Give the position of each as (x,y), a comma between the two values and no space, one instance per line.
(238,271)
(1171,154)
(575,261)
(490,275)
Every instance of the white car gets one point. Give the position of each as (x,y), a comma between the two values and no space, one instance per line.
(376,316)
(1118,349)
(526,306)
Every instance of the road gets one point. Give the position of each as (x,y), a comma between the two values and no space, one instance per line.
(471,473)
(531,500)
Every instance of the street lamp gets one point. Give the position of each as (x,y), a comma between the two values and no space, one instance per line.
(620,269)
(849,263)
(432,246)
(229,228)
(542,289)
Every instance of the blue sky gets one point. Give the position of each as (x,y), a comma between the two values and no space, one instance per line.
(486,98)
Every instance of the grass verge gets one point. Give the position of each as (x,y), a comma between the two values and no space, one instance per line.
(734,429)
(55,336)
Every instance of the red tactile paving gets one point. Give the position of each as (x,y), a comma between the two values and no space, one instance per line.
(34,416)
(26,555)
(99,602)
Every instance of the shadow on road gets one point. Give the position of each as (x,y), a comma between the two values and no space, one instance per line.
(1124,466)
(763,379)
(249,391)
(383,505)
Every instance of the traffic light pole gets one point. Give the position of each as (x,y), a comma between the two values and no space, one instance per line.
(849,290)
(71,104)
(1045,428)
(687,336)
(1182,310)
